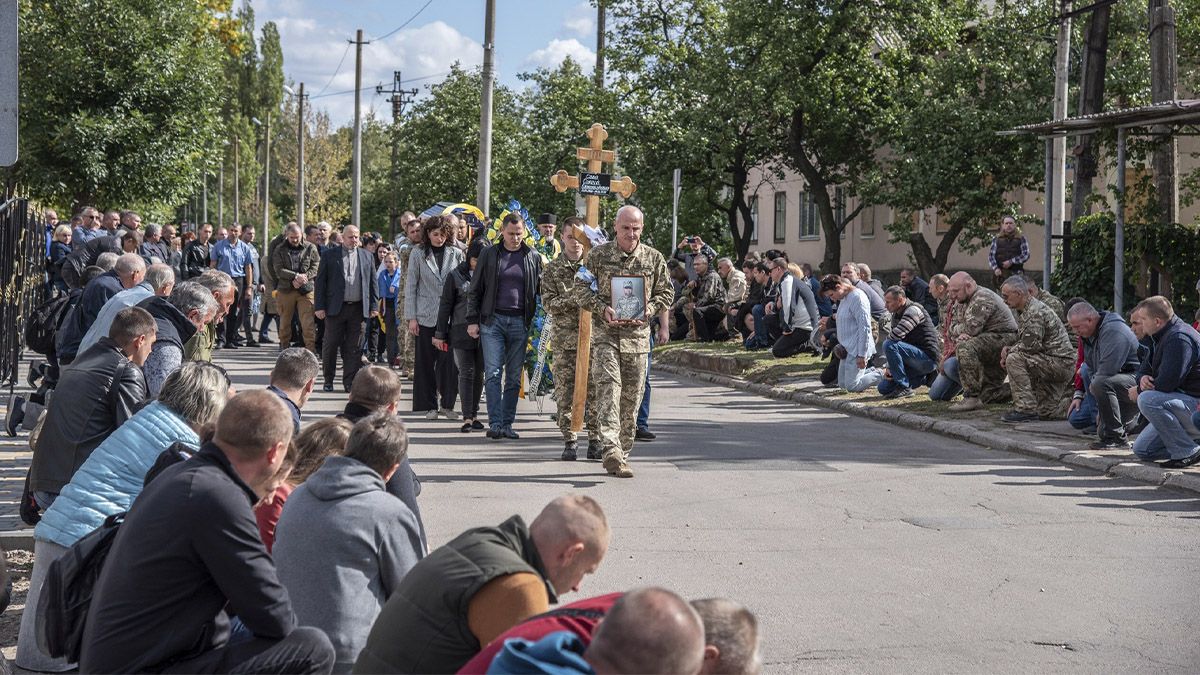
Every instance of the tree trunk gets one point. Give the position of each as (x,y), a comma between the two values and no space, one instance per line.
(929,261)
(1091,100)
(818,188)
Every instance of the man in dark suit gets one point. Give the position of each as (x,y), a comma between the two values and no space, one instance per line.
(345,295)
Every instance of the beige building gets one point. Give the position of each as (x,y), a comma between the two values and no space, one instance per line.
(787,219)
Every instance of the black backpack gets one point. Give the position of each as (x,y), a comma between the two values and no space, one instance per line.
(42,325)
(68,589)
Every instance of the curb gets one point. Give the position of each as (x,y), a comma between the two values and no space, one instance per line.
(1120,467)
(17,540)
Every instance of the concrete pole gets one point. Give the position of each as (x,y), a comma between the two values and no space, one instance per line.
(598,74)
(221,194)
(484,186)
(300,163)
(1048,253)
(267,185)
(204,199)
(237,182)
(1058,197)
(1119,226)
(356,180)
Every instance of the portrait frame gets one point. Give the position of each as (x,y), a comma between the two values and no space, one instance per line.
(625,310)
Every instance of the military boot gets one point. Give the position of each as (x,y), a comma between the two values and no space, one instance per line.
(595,450)
(616,466)
(568,453)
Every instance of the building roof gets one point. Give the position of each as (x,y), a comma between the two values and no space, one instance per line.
(1170,112)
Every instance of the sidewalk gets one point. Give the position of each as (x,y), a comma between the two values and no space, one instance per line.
(796,379)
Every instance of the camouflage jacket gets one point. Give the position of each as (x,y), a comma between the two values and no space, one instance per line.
(1055,305)
(983,313)
(607,261)
(1040,332)
(561,302)
(708,291)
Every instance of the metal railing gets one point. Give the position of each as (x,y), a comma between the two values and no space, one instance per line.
(22,279)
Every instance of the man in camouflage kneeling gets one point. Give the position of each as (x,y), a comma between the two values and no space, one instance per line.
(1041,363)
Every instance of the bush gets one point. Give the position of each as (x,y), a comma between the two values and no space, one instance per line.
(1172,248)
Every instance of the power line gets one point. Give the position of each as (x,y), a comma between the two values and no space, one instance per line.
(335,71)
(351,91)
(401,27)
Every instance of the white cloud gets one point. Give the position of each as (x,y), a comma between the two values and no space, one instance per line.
(581,20)
(557,51)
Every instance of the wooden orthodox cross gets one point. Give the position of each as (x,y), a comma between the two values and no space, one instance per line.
(592,184)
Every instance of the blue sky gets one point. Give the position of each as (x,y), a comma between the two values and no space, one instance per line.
(313,33)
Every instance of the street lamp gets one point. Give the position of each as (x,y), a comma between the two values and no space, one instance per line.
(300,150)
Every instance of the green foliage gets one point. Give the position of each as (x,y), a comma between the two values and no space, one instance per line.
(1168,248)
(117,119)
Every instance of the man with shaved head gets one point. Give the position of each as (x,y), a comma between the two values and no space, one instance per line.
(982,327)
(485,581)
(129,271)
(620,347)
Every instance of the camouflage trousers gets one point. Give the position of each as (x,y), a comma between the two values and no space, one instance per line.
(1041,384)
(404,341)
(564,397)
(979,368)
(618,382)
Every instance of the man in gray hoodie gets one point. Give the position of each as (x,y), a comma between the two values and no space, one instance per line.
(1110,359)
(343,543)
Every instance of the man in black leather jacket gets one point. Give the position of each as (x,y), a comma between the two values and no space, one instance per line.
(195,254)
(95,395)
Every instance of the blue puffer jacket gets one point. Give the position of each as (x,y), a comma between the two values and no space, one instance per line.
(113,475)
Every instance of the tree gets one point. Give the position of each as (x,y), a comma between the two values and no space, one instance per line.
(121,120)
(945,152)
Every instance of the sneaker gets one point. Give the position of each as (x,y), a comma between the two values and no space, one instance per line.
(431,415)
(1017,416)
(1110,444)
(494,434)
(644,435)
(569,450)
(966,405)
(16,414)
(448,414)
(902,392)
(477,425)
(1183,462)
(508,432)
(594,450)
(465,428)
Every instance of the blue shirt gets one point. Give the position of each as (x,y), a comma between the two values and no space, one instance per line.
(389,284)
(231,258)
(82,235)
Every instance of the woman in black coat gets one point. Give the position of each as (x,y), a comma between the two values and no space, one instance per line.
(452,326)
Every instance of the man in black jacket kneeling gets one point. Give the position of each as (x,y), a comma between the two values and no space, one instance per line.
(189,552)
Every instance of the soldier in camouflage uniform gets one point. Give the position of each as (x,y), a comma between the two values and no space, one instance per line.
(403,251)
(707,300)
(982,327)
(619,350)
(562,303)
(1041,363)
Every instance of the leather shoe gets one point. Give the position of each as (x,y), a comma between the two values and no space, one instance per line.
(644,435)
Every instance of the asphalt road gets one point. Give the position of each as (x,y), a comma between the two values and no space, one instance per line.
(862,547)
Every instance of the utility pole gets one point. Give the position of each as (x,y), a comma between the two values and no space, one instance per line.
(300,159)
(237,188)
(221,194)
(1058,195)
(484,187)
(267,184)
(1163,76)
(204,199)
(598,74)
(356,179)
(398,98)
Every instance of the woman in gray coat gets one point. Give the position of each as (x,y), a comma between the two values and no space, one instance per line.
(434,373)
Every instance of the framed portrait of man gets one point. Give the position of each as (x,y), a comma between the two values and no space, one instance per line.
(628,298)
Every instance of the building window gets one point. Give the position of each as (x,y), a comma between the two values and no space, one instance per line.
(809,220)
(867,229)
(754,219)
(780,217)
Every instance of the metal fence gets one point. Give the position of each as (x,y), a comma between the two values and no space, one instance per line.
(22,280)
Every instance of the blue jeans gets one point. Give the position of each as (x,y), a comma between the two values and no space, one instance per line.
(759,312)
(503,343)
(643,418)
(906,362)
(1171,434)
(854,379)
(946,386)
(1085,417)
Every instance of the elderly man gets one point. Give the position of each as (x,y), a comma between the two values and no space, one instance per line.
(983,326)
(1110,360)
(221,286)
(620,348)
(917,290)
(190,307)
(153,247)
(912,347)
(735,287)
(707,302)
(129,271)
(853,320)
(482,583)
(1040,362)
(294,264)
(547,223)
(1168,385)
(160,281)
(345,294)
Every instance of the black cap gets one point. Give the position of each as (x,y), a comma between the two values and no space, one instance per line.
(547,219)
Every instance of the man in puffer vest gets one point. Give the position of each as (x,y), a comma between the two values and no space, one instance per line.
(1009,252)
